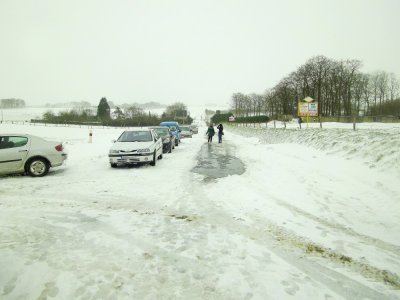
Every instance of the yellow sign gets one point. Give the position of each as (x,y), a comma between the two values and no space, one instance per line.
(307,109)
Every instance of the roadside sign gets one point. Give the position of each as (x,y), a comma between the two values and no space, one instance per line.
(309,109)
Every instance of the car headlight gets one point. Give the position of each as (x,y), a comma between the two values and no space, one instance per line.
(114,151)
(143,150)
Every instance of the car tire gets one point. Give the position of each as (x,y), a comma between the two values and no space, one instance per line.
(37,167)
(170,148)
(161,156)
(113,165)
(154,161)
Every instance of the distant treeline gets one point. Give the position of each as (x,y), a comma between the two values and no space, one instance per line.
(224,117)
(131,116)
(12,103)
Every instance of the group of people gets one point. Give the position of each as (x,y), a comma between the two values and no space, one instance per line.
(211,132)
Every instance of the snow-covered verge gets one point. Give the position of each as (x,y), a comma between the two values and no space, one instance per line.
(375,144)
(302,222)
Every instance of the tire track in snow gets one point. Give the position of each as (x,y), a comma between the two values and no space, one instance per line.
(280,234)
(267,236)
(215,214)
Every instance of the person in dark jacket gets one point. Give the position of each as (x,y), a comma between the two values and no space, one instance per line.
(210,132)
(220,132)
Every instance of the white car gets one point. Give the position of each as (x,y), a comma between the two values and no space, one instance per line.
(25,153)
(194,128)
(186,131)
(136,146)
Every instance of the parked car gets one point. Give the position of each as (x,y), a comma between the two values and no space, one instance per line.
(25,153)
(168,139)
(136,146)
(194,128)
(175,129)
(186,131)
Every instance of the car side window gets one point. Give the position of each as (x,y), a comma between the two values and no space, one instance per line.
(7,142)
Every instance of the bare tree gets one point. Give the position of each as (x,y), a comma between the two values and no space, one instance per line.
(394,86)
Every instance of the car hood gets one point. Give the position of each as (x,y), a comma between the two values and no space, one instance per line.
(130,146)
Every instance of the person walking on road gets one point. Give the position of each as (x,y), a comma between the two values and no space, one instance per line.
(220,132)
(210,132)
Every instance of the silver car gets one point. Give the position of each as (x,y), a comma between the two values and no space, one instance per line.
(25,153)
(194,128)
(186,131)
(136,146)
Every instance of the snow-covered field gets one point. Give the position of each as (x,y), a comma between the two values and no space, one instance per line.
(315,215)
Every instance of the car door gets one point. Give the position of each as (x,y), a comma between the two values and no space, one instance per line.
(157,143)
(160,144)
(13,153)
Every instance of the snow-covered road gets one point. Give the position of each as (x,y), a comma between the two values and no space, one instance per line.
(299,223)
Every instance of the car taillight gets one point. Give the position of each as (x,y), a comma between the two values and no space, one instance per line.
(59,147)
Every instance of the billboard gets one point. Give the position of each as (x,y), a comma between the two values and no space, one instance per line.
(307,109)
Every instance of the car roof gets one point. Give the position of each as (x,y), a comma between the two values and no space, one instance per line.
(169,123)
(14,134)
(139,129)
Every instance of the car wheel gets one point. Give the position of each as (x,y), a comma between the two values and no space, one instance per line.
(37,167)
(113,165)
(161,156)
(153,162)
(170,148)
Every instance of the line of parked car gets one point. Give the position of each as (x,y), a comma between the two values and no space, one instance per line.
(25,153)
(147,145)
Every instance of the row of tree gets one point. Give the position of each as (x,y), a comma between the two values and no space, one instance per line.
(133,115)
(12,103)
(339,86)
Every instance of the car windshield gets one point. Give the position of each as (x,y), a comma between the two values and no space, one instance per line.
(161,131)
(135,136)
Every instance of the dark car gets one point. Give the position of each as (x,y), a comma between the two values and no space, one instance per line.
(168,138)
(175,129)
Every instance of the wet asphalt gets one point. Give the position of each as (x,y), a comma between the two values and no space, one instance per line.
(218,160)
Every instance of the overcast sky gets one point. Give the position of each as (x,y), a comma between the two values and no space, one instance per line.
(182,50)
